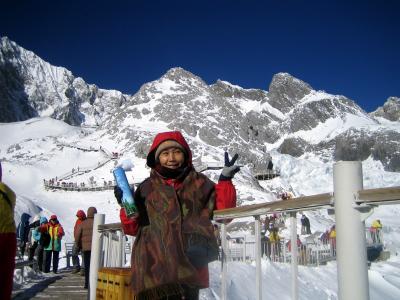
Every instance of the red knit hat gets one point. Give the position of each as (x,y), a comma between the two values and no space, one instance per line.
(81,214)
(53,217)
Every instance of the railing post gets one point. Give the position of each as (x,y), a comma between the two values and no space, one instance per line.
(244,248)
(108,247)
(121,249)
(351,250)
(95,259)
(257,229)
(293,248)
(284,251)
(223,262)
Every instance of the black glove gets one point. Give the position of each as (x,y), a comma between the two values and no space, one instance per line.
(35,224)
(118,194)
(230,169)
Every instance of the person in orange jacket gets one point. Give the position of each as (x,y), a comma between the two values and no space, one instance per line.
(8,239)
(332,239)
(80,217)
(173,226)
(51,252)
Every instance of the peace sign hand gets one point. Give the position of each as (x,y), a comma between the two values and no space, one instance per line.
(230,168)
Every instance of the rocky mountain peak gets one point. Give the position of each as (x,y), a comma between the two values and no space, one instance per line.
(225,89)
(31,87)
(181,76)
(390,110)
(285,91)
(5,43)
(213,116)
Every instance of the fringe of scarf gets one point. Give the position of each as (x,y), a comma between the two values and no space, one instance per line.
(160,292)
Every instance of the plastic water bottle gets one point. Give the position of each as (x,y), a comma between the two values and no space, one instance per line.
(127,197)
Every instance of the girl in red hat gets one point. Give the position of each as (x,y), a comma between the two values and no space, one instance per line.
(174,235)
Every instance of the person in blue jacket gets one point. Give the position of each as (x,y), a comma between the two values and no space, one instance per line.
(23,232)
(38,237)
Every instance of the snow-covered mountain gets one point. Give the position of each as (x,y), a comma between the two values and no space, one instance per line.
(53,122)
(284,118)
(290,123)
(31,87)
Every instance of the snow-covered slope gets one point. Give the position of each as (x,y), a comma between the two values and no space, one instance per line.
(44,148)
(302,130)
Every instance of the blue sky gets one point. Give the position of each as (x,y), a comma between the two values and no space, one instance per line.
(350,48)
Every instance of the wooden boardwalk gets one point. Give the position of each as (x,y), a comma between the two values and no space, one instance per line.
(63,285)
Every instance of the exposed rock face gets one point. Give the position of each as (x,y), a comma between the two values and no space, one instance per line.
(353,145)
(288,118)
(31,87)
(285,91)
(224,89)
(360,144)
(390,110)
(293,146)
(387,150)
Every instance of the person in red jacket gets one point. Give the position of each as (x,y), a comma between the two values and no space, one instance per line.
(81,216)
(174,235)
(52,250)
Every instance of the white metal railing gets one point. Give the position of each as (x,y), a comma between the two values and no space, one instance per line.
(109,249)
(312,252)
(352,205)
(74,186)
(243,248)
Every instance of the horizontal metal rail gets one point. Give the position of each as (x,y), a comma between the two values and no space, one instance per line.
(382,196)
(294,204)
(20,264)
(110,227)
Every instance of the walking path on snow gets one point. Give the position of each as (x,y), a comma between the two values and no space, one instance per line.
(63,285)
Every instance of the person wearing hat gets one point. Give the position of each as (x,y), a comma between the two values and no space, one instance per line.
(42,243)
(23,233)
(56,232)
(80,217)
(32,237)
(8,239)
(174,235)
(83,238)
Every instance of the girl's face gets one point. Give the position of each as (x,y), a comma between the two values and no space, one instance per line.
(171,158)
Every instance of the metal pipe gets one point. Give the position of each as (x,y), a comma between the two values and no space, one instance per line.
(257,229)
(350,238)
(97,246)
(293,250)
(224,263)
(244,248)
(120,249)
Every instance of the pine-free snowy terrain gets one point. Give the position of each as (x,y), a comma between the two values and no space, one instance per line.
(44,148)
(54,122)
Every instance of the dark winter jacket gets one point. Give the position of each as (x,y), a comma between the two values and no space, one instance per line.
(23,227)
(84,233)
